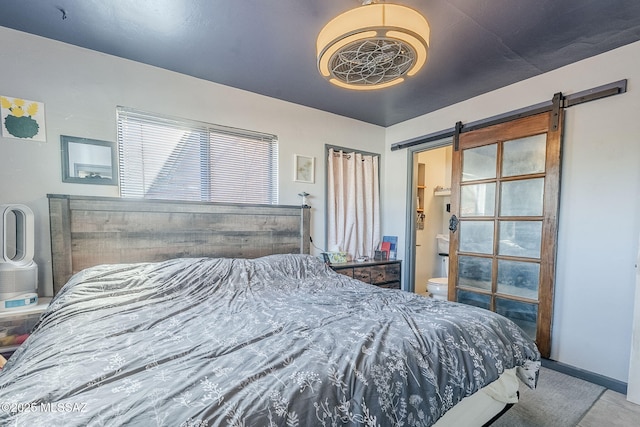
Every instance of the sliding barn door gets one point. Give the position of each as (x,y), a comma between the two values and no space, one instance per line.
(505,189)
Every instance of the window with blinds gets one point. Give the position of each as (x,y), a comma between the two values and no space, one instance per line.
(169,158)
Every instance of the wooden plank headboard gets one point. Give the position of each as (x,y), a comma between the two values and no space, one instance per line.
(88,231)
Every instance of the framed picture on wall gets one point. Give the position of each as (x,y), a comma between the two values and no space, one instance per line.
(22,119)
(88,161)
(304,168)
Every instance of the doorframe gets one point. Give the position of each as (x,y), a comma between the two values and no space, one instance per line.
(410,226)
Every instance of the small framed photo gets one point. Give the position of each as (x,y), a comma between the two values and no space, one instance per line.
(304,168)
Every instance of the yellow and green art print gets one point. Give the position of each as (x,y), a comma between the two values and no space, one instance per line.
(22,119)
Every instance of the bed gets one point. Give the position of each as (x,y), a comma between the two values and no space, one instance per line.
(278,340)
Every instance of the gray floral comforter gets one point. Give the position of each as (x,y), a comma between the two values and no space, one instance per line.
(277,341)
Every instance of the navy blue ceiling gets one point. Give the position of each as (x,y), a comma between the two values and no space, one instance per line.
(268,47)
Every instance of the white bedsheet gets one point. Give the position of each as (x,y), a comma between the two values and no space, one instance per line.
(480,407)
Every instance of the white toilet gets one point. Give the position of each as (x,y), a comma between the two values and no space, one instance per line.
(438,287)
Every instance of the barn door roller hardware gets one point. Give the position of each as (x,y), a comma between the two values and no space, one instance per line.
(555,105)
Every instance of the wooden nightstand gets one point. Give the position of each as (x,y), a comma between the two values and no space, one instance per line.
(386,274)
(16,325)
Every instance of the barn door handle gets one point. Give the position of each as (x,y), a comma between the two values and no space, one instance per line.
(453,223)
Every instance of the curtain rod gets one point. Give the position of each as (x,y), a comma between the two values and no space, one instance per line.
(599,92)
(349,150)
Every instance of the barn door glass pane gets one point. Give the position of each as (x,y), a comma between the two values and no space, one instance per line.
(520,238)
(478,199)
(524,156)
(474,272)
(518,278)
(472,298)
(476,236)
(522,198)
(479,163)
(523,314)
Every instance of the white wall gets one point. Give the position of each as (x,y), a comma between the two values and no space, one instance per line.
(599,204)
(81,89)
(633,392)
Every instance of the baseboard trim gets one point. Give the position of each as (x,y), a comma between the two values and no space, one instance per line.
(592,377)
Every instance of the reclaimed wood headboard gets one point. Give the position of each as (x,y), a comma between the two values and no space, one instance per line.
(88,231)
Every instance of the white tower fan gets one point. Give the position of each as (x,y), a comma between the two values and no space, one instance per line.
(18,271)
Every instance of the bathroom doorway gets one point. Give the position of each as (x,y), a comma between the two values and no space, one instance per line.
(431,182)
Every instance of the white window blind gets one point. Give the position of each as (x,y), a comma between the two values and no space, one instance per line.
(169,158)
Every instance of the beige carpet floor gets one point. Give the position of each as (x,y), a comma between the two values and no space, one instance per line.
(559,401)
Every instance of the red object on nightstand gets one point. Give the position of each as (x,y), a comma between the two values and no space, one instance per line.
(21,338)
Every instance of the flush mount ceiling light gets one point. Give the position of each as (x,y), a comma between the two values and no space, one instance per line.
(373,46)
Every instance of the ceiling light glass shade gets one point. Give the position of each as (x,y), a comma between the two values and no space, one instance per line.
(373,46)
